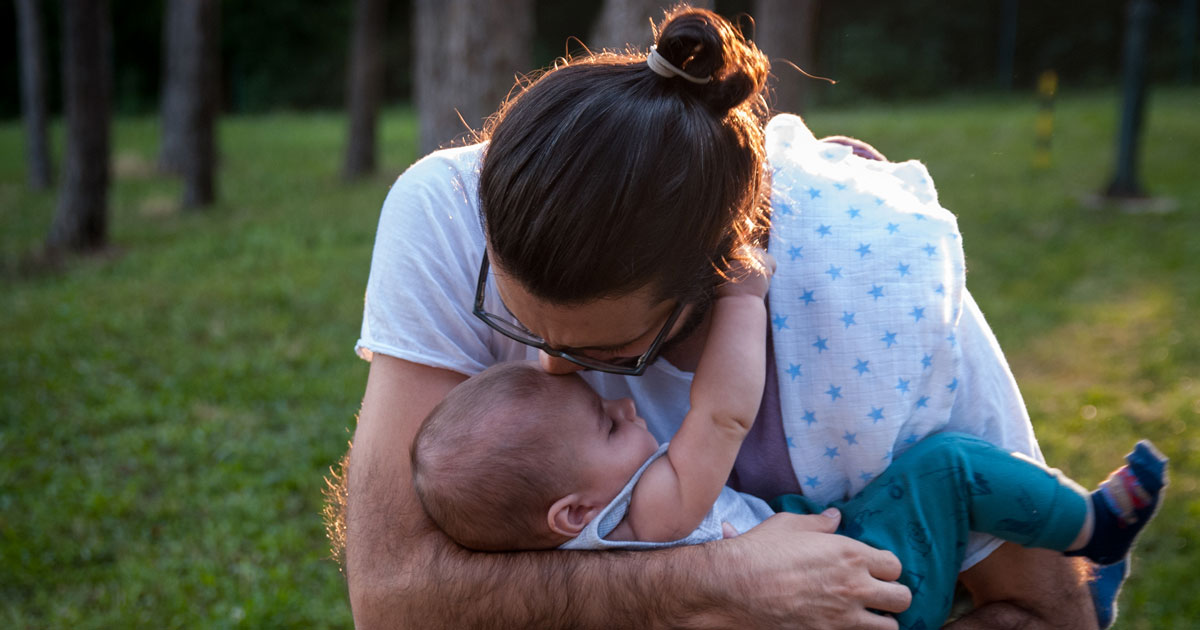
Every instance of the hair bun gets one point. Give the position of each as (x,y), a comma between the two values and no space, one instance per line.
(704,44)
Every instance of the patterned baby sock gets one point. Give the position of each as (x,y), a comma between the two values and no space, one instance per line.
(1124,503)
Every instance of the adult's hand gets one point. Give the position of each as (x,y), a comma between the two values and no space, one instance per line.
(796,573)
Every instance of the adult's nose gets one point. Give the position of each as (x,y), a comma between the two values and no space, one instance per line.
(623,409)
(629,409)
(557,365)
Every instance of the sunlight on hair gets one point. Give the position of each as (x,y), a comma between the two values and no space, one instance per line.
(336,493)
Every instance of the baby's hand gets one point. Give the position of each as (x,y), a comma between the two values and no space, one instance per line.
(749,277)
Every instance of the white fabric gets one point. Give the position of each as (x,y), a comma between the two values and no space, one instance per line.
(740,510)
(864,303)
(420,295)
(865,308)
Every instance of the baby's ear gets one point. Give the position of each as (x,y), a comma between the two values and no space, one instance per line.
(570,514)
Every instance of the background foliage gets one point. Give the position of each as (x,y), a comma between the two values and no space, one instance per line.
(292,55)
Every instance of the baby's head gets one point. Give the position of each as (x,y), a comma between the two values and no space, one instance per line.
(515,458)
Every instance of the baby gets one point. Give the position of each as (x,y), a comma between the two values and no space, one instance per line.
(515,458)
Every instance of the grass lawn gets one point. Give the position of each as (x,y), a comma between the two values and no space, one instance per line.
(168,409)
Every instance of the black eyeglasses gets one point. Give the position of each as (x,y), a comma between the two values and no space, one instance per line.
(509,327)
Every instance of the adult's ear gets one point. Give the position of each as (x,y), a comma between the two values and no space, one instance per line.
(570,514)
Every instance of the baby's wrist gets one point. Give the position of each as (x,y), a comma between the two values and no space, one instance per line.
(747,298)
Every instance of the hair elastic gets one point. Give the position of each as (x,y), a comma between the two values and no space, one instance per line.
(664,68)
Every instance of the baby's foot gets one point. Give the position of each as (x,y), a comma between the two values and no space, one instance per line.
(1124,503)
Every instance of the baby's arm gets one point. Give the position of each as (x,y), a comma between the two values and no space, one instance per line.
(678,489)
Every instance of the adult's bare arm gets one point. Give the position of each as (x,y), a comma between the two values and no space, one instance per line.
(1018,587)
(789,572)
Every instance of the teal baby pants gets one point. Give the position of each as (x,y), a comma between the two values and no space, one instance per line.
(923,506)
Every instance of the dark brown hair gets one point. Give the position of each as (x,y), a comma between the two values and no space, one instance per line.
(602,177)
(491,459)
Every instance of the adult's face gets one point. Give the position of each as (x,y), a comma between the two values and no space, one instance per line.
(606,329)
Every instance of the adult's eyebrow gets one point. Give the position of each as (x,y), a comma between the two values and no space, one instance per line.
(609,348)
(603,348)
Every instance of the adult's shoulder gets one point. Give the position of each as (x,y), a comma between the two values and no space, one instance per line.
(455,168)
(428,246)
(437,193)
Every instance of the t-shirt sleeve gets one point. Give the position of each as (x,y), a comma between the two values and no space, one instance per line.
(428,247)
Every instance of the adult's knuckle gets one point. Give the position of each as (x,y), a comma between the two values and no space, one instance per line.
(852,556)
(845,591)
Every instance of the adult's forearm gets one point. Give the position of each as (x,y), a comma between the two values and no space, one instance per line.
(440,585)
(782,574)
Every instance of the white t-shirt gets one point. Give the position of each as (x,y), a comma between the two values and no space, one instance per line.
(420,297)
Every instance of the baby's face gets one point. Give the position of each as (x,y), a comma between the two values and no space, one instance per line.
(610,440)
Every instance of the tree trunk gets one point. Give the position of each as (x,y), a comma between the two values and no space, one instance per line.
(33,92)
(627,23)
(364,89)
(430,67)
(468,56)
(81,219)
(197,65)
(785,30)
(1006,50)
(174,92)
(1126,182)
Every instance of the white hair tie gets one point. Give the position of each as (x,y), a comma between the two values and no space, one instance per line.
(664,68)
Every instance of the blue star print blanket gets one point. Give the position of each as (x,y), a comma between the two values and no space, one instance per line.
(863,307)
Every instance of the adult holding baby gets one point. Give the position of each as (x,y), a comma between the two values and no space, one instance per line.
(591,231)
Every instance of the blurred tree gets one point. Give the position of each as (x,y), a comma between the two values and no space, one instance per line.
(33,92)
(292,55)
(1006,46)
(786,31)
(81,219)
(174,92)
(627,22)
(559,28)
(1125,182)
(287,54)
(1187,40)
(191,97)
(467,57)
(364,86)
(905,49)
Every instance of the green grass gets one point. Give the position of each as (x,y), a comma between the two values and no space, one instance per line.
(168,409)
